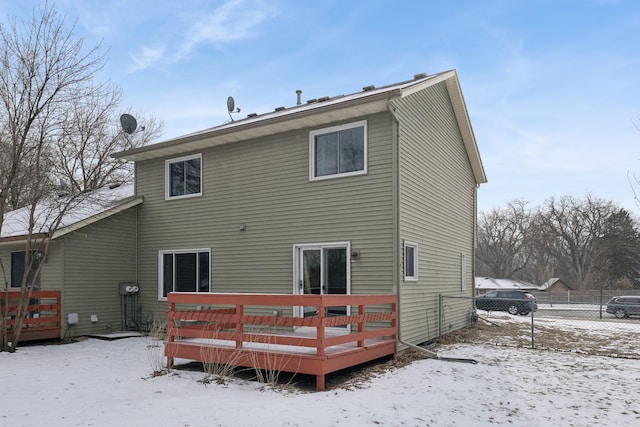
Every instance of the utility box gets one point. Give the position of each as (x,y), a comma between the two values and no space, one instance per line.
(127,288)
(129,305)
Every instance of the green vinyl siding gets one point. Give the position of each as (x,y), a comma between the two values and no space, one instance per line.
(264,185)
(437,210)
(50,272)
(96,259)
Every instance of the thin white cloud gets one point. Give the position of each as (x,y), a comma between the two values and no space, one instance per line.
(145,59)
(234,20)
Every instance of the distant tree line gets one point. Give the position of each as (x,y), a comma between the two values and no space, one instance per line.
(589,243)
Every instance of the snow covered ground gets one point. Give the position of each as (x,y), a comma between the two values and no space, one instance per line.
(109,383)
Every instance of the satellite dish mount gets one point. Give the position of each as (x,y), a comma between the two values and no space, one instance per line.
(231,107)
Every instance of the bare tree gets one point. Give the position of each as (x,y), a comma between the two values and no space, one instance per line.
(571,231)
(51,108)
(502,237)
(92,133)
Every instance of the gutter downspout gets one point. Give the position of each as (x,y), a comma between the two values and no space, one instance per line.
(431,354)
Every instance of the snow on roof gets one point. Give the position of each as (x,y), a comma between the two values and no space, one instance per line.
(87,206)
(546,285)
(491,283)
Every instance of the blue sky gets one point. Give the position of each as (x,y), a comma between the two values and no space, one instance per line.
(552,86)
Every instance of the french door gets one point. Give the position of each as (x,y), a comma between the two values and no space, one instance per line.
(322,269)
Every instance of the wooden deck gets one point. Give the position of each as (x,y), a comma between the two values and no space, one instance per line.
(213,328)
(43,320)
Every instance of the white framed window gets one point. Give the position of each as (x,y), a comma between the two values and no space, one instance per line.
(463,272)
(183,177)
(338,151)
(184,270)
(410,261)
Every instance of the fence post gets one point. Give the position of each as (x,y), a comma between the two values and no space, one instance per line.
(533,342)
(601,301)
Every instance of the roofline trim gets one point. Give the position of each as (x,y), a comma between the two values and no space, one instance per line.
(131,202)
(128,203)
(262,121)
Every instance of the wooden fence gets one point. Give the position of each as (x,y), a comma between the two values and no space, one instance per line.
(43,319)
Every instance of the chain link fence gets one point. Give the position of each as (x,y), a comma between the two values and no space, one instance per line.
(580,325)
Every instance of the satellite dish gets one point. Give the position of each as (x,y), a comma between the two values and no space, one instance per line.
(231,106)
(128,123)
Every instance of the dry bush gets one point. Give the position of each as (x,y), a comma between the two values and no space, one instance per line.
(217,364)
(155,347)
(275,362)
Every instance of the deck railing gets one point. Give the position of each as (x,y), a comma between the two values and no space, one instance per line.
(368,332)
(43,320)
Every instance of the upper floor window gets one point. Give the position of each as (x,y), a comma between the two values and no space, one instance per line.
(183,177)
(338,151)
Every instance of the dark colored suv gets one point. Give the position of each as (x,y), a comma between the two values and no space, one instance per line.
(512,301)
(624,306)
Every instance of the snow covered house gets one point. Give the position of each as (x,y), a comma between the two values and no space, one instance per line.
(368,193)
(485,284)
(92,251)
(352,210)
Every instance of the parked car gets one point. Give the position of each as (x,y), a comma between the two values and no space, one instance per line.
(624,306)
(512,301)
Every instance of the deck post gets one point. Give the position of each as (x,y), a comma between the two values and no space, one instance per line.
(320,331)
(239,325)
(170,330)
(360,324)
(320,382)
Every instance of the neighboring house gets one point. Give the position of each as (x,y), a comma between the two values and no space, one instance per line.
(369,193)
(92,251)
(554,285)
(485,284)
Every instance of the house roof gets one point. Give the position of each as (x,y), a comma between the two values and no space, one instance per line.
(319,112)
(551,282)
(492,283)
(82,211)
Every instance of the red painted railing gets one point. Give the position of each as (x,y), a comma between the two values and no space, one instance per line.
(223,318)
(43,319)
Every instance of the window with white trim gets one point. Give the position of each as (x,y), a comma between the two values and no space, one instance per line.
(183,177)
(410,261)
(338,151)
(184,271)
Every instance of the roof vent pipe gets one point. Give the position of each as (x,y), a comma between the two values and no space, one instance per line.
(298,96)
